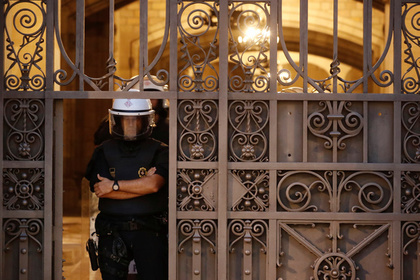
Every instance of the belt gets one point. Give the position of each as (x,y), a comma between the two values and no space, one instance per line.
(148,222)
(135,225)
(131,225)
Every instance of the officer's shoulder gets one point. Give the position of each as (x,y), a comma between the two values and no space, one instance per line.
(109,143)
(156,142)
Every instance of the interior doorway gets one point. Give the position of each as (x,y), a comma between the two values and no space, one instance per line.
(85,127)
(82,118)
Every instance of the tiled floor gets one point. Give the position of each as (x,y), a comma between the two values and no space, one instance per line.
(76,265)
(76,231)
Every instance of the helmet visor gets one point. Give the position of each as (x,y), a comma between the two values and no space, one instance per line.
(131,127)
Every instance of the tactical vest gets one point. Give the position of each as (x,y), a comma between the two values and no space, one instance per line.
(128,164)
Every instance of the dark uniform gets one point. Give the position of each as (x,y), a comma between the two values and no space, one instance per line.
(161,131)
(133,228)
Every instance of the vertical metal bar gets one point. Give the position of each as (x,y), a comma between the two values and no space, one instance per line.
(80,40)
(247,272)
(111,59)
(24,259)
(335,128)
(272,246)
(397,236)
(2,56)
(222,257)
(335,204)
(196,259)
(58,188)
(335,44)
(52,265)
(48,189)
(397,241)
(1,181)
(278,231)
(143,61)
(395,10)
(365,132)
(334,227)
(273,81)
(271,257)
(397,155)
(50,46)
(272,236)
(304,42)
(305,131)
(173,66)
(418,259)
(48,134)
(2,92)
(367,43)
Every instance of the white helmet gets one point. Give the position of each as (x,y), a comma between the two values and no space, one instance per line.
(131,119)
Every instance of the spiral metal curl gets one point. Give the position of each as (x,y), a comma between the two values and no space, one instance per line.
(195,231)
(18,230)
(24,119)
(24,37)
(411,141)
(197,140)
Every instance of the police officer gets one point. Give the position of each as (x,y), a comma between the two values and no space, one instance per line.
(129,175)
(160,106)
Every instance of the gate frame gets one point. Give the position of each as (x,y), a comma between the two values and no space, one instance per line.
(53,165)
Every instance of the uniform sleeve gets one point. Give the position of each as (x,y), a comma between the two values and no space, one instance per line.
(161,161)
(97,165)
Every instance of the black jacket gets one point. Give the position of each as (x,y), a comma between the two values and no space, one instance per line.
(127,160)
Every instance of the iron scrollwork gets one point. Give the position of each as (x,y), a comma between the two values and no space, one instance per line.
(25,45)
(363,191)
(195,22)
(411,78)
(23,189)
(248,124)
(22,230)
(249,55)
(197,244)
(195,190)
(22,245)
(334,262)
(253,190)
(196,231)
(335,121)
(410,189)
(198,139)
(411,132)
(385,79)
(295,194)
(374,190)
(411,234)
(24,119)
(247,231)
(334,266)
(253,234)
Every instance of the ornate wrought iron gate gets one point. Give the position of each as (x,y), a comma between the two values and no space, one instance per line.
(268,181)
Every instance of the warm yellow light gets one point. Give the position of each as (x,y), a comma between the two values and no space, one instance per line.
(285,77)
(253,35)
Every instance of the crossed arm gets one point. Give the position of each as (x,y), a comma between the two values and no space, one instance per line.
(129,188)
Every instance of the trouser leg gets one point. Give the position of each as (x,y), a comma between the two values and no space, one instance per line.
(110,267)
(150,252)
